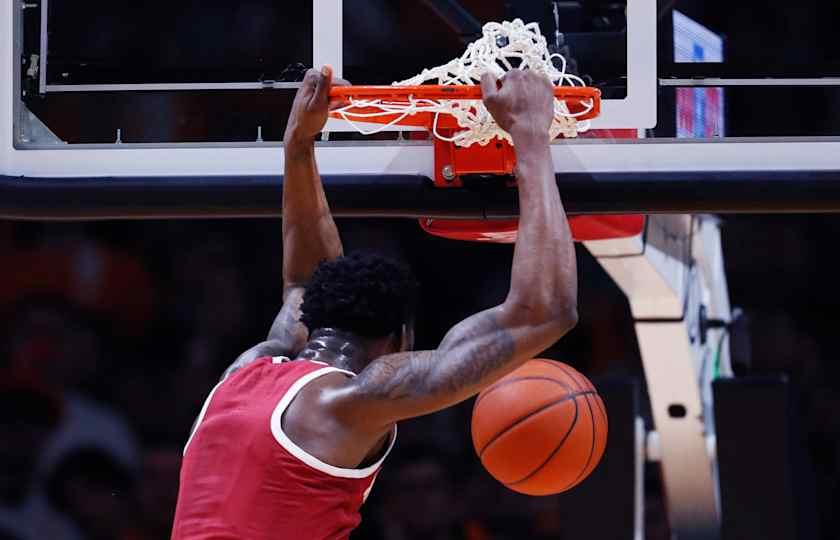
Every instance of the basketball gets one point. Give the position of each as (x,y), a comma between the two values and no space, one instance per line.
(540,430)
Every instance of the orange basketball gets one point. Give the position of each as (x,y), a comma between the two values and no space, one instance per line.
(541,429)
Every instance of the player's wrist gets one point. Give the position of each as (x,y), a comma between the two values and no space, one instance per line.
(530,142)
(533,154)
(297,141)
(527,135)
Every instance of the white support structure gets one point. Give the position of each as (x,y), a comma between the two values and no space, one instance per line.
(19,157)
(328,35)
(670,273)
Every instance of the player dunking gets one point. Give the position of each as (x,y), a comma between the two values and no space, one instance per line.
(288,444)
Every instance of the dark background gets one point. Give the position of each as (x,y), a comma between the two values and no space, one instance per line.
(115,332)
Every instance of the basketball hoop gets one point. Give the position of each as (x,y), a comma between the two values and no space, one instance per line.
(446,101)
(445,109)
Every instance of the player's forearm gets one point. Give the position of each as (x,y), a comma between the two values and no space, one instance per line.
(544,273)
(473,355)
(309,232)
(541,306)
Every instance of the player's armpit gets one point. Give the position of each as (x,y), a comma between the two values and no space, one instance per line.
(287,328)
(473,355)
(286,337)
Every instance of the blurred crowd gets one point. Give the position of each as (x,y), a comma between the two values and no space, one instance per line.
(113,333)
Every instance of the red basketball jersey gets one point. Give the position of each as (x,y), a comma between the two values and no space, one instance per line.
(243,478)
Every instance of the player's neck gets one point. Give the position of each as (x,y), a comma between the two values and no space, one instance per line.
(336,348)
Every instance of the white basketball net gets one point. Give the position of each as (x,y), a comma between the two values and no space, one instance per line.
(503,47)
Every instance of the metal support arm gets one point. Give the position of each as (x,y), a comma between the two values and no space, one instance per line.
(670,274)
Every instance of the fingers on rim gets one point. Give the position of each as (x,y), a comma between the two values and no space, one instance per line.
(311,78)
(338,103)
(323,82)
(489,85)
(308,85)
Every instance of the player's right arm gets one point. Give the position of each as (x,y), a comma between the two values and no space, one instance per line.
(540,308)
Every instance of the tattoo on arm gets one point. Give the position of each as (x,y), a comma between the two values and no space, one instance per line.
(286,337)
(472,355)
(287,327)
(395,376)
(479,348)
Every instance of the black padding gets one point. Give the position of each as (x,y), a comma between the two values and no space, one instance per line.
(413,196)
(766,482)
(602,506)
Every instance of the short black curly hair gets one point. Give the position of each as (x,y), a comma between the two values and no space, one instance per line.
(366,294)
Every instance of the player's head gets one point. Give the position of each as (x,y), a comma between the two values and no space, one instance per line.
(368,295)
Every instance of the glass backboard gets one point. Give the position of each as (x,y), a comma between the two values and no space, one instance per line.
(192,72)
(103,45)
(204,88)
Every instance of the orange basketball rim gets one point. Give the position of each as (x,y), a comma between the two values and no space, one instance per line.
(453,162)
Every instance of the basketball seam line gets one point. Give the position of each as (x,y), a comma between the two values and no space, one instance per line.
(570,375)
(602,410)
(553,452)
(506,382)
(591,447)
(591,416)
(569,397)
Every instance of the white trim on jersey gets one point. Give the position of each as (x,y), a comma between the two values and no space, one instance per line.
(274,360)
(303,455)
(202,413)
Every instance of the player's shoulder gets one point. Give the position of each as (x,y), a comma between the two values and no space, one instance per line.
(327,379)
(310,402)
(319,389)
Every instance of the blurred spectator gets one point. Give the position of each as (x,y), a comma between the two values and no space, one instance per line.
(162,399)
(54,340)
(94,492)
(419,499)
(489,506)
(29,413)
(59,345)
(84,272)
(207,290)
(157,494)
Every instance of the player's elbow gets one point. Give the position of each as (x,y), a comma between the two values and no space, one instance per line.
(567,318)
(561,314)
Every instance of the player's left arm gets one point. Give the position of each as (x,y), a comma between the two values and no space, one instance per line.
(309,232)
